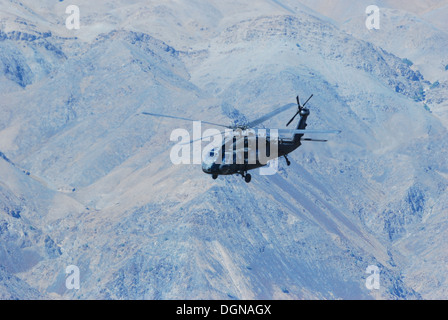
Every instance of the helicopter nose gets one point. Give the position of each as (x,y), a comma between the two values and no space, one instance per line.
(206,170)
(208,167)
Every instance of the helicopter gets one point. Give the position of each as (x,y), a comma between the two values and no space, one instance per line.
(241,151)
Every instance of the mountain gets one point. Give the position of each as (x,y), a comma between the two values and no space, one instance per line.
(86,179)
(412,30)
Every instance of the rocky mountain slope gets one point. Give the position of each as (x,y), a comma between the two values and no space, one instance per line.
(86,180)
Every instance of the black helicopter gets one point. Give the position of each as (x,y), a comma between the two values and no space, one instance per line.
(242,147)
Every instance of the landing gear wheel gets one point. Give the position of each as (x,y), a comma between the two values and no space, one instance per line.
(215,176)
(288,163)
(247,178)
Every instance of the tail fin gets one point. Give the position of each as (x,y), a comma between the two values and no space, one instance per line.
(304,113)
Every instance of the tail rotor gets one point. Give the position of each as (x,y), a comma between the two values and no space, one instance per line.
(300,108)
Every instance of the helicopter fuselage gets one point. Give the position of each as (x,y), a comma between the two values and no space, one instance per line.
(217,161)
(213,167)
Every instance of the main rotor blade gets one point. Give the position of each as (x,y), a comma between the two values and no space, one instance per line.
(206,137)
(270,115)
(304,131)
(181,118)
